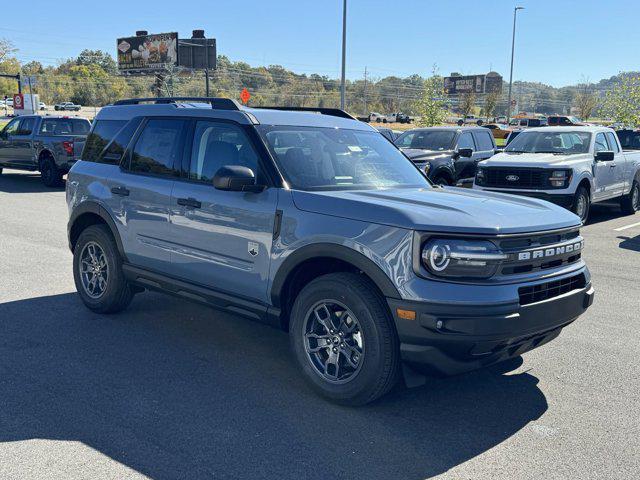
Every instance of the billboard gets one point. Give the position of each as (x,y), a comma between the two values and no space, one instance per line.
(461,84)
(147,53)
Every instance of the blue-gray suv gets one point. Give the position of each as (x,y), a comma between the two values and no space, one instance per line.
(312,221)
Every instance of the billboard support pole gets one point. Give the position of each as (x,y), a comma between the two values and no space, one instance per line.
(206,70)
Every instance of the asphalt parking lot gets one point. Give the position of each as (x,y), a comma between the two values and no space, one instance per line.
(176,390)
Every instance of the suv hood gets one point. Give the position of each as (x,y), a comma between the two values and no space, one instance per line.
(453,210)
(534,160)
(418,155)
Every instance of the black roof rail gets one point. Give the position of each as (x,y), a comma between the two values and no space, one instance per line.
(216,102)
(334,112)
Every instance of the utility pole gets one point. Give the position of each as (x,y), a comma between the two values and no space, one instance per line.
(344,54)
(513,44)
(365,91)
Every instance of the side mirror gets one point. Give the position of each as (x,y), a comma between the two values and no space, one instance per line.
(465,152)
(604,156)
(235,178)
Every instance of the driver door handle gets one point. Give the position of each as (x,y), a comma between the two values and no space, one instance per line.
(189,202)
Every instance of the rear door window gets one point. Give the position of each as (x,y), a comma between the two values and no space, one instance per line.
(158,149)
(103,132)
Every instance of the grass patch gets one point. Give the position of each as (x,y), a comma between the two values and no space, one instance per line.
(501,142)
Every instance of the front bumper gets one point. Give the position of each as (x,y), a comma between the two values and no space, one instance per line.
(446,340)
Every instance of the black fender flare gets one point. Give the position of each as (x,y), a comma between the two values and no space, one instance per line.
(331,250)
(443,168)
(95,209)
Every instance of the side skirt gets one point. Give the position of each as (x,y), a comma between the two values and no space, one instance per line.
(222,301)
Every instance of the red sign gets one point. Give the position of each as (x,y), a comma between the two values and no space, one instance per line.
(18,101)
(245,95)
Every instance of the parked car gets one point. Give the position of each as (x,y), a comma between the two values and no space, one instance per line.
(42,106)
(400,118)
(70,106)
(50,145)
(9,102)
(629,139)
(564,121)
(447,155)
(389,133)
(498,130)
(528,122)
(470,120)
(377,117)
(570,167)
(316,224)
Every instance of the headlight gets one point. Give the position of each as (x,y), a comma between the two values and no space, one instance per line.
(480,176)
(560,178)
(427,167)
(461,258)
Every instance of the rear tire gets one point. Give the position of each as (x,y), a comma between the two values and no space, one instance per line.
(110,292)
(441,180)
(355,358)
(630,203)
(51,176)
(582,204)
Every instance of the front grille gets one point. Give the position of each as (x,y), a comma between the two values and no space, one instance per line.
(533,178)
(514,246)
(545,291)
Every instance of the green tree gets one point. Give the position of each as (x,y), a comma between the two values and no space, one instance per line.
(490,103)
(622,102)
(431,108)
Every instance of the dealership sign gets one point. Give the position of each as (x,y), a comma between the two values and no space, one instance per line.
(18,101)
(147,53)
(461,84)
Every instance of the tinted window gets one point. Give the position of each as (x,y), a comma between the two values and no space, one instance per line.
(553,120)
(436,140)
(466,141)
(103,132)
(612,142)
(115,150)
(26,126)
(158,148)
(601,143)
(629,140)
(337,159)
(484,141)
(64,126)
(216,145)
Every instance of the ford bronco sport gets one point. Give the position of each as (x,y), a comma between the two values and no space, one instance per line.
(313,221)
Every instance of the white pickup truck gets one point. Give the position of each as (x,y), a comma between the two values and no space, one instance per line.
(569,166)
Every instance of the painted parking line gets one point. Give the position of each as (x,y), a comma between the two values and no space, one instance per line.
(627,226)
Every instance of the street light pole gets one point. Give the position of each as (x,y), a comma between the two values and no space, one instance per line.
(344,53)
(513,46)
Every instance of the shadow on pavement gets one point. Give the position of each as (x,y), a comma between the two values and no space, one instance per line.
(14,181)
(176,390)
(603,212)
(630,243)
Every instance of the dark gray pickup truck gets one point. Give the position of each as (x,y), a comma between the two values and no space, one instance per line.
(50,145)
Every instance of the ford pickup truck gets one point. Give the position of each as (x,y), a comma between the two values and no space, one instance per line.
(569,166)
(50,145)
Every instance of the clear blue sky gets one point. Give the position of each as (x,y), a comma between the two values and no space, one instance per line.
(558,41)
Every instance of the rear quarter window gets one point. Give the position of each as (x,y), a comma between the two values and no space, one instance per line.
(103,132)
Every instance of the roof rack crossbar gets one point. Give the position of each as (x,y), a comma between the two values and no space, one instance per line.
(216,102)
(334,112)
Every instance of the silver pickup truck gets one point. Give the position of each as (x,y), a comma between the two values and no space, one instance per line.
(50,145)
(570,166)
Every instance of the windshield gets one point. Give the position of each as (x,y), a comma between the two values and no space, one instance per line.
(436,140)
(562,143)
(316,158)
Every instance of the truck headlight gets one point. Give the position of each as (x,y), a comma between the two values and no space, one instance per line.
(427,167)
(560,178)
(461,258)
(480,176)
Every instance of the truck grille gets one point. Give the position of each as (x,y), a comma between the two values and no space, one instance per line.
(545,291)
(534,178)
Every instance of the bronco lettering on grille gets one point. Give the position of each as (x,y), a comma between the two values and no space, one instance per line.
(551,252)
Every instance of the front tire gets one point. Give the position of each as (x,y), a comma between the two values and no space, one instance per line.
(582,204)
(51,176)
(442,181)
(97,271)
(630,203)
(344,340)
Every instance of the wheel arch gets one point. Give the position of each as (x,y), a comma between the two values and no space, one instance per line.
(87,214)
(312,261)
(45,153)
